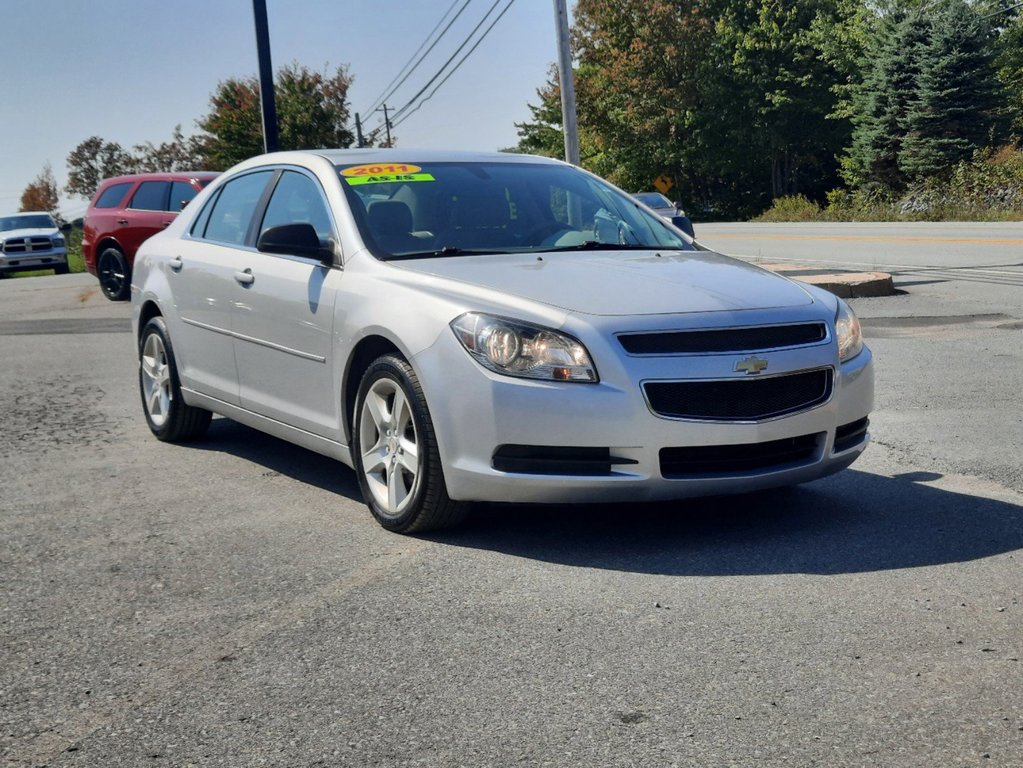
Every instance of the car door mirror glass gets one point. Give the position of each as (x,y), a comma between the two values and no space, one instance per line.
(294,240)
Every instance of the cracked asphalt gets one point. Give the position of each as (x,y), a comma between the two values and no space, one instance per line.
(231,602)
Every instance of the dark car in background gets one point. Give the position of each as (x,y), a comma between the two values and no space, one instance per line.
(125,211)
(666,209)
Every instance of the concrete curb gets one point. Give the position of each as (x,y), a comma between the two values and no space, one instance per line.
(847,285)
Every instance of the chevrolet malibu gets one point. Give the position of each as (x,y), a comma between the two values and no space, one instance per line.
(461,327)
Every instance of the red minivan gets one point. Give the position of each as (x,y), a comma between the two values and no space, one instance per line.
(125,211)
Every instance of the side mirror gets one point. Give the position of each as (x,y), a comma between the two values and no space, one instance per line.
(295,240)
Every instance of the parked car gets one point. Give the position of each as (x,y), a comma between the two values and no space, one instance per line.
(457,327)
(125,211)
(664,207)
(30,241)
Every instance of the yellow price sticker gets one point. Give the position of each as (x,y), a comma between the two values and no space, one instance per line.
(380,169)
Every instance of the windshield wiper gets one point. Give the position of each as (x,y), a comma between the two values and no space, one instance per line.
(447,250)
(596,245)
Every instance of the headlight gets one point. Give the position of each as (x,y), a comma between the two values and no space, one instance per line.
(520,349)
(58,241)
(847,327)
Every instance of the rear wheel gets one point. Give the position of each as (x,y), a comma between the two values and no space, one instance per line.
(395,452)
(114,274)
(169,417)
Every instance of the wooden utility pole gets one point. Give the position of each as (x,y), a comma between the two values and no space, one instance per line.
(567,84)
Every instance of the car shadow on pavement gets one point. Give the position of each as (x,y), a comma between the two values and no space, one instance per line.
(227,436)
(850,523)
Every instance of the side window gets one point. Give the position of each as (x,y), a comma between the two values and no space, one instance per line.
(232,212)
(181,195)
(297,200)
(113,195)
(150,196)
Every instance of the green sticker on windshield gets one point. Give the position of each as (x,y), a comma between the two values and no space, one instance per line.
(388,178)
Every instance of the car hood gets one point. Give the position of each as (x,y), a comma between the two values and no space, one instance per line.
(49,232)
(623,282)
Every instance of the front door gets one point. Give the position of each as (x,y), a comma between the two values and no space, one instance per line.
(284,319)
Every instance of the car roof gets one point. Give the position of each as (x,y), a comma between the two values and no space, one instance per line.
(165,176)
(26,213)
(388,155)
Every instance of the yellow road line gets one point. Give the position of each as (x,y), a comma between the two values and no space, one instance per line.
(877,239)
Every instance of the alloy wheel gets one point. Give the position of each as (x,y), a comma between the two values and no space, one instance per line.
(156,380)
(390,446)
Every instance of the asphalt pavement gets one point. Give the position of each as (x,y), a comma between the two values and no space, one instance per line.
(232,603)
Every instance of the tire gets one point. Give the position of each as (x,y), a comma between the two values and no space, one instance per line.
(169,417)
(114,274)
(394,449)
(62,269)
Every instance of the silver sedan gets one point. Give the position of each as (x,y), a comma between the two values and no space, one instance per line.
(463,327)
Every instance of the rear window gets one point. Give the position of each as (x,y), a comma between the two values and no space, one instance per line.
(151,196)
(112,196)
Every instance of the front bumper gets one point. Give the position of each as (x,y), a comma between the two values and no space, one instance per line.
(488,413)
(35,260)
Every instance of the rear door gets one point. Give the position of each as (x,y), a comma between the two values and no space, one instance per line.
(145,215)
(204,278)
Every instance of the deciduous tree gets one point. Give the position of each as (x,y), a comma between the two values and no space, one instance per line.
(312,111)
(41,194)
(92,161)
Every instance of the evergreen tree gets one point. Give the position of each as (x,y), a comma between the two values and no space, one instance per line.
(1010,74)
(953,111)
(882,102)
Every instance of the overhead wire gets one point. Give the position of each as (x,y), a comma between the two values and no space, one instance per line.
(1004,10)
(404,109)
(403,117)
(392,86)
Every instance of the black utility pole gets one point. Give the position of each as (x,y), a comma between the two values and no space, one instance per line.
(359,141)
(387,123)
(266,78)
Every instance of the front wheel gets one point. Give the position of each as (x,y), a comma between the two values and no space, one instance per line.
(169,417)
(395,452)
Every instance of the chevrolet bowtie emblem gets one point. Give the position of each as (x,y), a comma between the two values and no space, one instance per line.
(751,365)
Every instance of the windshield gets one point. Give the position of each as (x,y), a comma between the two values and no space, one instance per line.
(654,200)
(450,209)
(30,221)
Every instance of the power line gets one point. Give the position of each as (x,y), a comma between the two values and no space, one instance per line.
(403,113)
(1004,10)
(391,87)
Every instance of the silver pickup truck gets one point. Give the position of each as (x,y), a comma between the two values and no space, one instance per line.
(29,241)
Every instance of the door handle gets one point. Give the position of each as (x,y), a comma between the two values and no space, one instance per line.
(176,263)
(122,221)
(165,224)
(245,278)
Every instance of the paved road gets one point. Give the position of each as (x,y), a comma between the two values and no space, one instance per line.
(987,252)
(232,603)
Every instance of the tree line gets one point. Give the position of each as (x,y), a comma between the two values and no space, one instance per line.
(743,102)
(312,111)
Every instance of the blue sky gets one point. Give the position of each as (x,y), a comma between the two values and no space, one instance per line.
(130,70)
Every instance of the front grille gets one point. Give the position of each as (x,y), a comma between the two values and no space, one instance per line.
(27,244)
(746,458)
(850,435)
(555,460)
(722,339)
(746,399)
